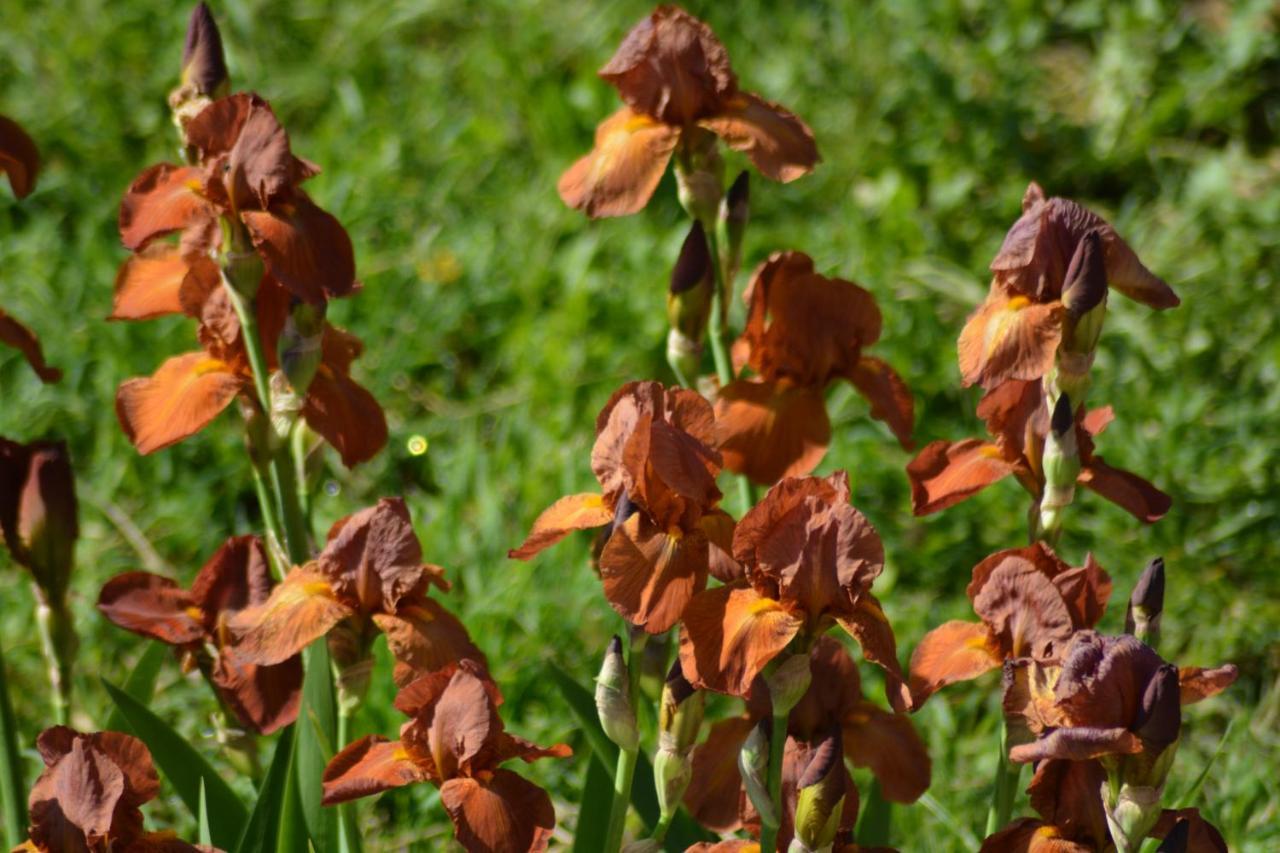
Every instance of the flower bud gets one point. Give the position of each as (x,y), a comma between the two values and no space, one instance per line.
(286,406)
(38,512)
(820,795)
(788,682)
(753,764)
(680,712)
(1142,618)
(204,68)
(1061,466)
(735,211)
(672,772)
(613,699)
(700,176)
(690,291)
(1160,718)
(299,346)
(1131,813)
(1085,285)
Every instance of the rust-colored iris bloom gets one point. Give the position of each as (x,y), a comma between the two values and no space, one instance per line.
(743,845)
(196,623)
(803,331)
(1029,603)
(455,740)
(369,578)
(1029,835)
(88,798)
(945,473)
(674,75)
(810,559)
(20,161)
(657,470)
(871,737)
(1015,333)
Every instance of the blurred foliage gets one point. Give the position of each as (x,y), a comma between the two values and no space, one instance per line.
(498,321)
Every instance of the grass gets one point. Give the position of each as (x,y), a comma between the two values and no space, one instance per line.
(498,321)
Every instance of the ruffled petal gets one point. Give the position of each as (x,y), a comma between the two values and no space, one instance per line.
(779,144)
(947,472)
(177,401)
(149,284)
(574,512)
(729,634)
(424,637)
(769,430)
(346,415)
(619,175)
(264,698)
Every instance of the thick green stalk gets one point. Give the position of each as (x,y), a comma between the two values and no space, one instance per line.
(270,519)
(1005,789)
(286,486)
(777,746)
(13,790)
(59,668)
(660,829)
(625,770)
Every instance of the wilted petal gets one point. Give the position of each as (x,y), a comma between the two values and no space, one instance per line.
(153,606)
(889,396)
(163,199)
(729,635)
(768,430)
(424,637)
(947,472)
(504,813)
(302,608)
(619,175)
(264,698)
(306,249)
(1009,338)
(18,157)
(1196,683)
(954,651)
(177,401)
(779,144)
(373,556)
(346,415)
(1125,489)
(141,782)
(574,512)
(715,792)
(870,627)
(371,765)
(650,575)
(18,336)
(1078,743)
(889,745)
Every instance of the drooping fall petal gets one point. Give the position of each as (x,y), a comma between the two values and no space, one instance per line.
(945,473)
(729,635)
(715,792)
(305,247)
(163,199)
(1196,683)
(19,159)
(1202,836)
(574,512)
(1065,793)
(176,402)
(778,142)
(302,608)
(1127,490)
(891,747)
(424,637)
(1029,835)
(151,605)
(18,336)
(870,627)
(1009,338)
(264,698)
(889,396)
(1078,743)
(73,803)
(369,766)
(954,651)
(346,415)
(149,283)
(768,430)
(650,574)
(619,175)
(503,813)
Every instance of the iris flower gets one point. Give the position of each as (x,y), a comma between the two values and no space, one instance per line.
(455,740)
(369,578)
(657,470)
(196,622)
(803,331)
(681,94)
(1016,413)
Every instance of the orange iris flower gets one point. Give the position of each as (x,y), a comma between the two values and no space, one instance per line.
(810,559)
(1030,603)
(456,741)
(89,796)
(196,621)
(1017,417)
(680,91)
(803,331)
(1015,333)
(369,578)
(657,470)
(1070,825)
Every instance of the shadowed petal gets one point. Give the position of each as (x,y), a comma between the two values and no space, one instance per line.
(769,430)
(18,336)
(889,396)
(729,635)
(1009,338)
(1196,683)
(779,144)
(1127,490)
(1028,835)
(163,199)
(176,402)
(1022,607)
(346,415)
(302,608)
(152,606)
(715,792)
(504,813)
(371,765)
(373,557)
(947,472)
(717,525)
(264,698)
(889,745)
(424,637)
(575,512)
(1065,793)
(306,249)
(619,175)
(649,575)
(18,157)
(870,627)
(1202,836)
(954,651)
(74,801)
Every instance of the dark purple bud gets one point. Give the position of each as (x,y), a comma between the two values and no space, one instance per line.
(1160,717)
(1086,280)
(694,264)
(1147,601)
(1063,416)
(203,65)
(737,204)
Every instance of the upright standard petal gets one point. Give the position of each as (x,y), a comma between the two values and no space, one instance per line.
(177,401)
(779,144)
(618,176)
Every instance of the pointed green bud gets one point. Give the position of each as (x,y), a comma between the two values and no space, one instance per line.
(680,712)
(613,699)
(672,772)
(298,348)
(1131,813)
(1142,618)
(753,764)
(735,212)
(1061,466)
(820,795)
(787,681)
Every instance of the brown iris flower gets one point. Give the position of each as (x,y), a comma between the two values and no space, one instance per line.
(369,578)
(456,741)
(681,94)
(810,559)
(657,470)
(88,798)
(945,473)
(196,622)
(1015,333)
(1029,835)
(1030,603)
(803,331)
(870,737)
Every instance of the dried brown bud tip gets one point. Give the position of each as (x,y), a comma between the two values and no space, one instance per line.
(1086,280)
(203,64)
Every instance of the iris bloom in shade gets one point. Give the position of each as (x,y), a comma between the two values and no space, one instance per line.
(810,559)
(680,93)
(870,736)
(657,470)
(1015,333)
(945,473)
(369,578)
(455,740)
(1029,603)
(196,622)
(803,331)
(88,798)
(188,391)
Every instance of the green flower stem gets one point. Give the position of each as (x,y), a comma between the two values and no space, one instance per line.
(660,830)
(777,746)
(285,482)
(1005,788)
(53,626)
(625,770)
(270,518)
(13,790)
(298,450)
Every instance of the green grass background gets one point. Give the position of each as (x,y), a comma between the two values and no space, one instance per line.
(498,321)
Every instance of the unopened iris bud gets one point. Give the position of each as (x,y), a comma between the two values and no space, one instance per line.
(39,513)
(1061,466)
(204,67)
(1142,618)
(680,713)
(613,699)
(735,212)
(787,683)
(1085,284)
(299,347)
(753,764)
(689,294)
(1161,714)
(1085,296)
(820,796)
(242,267)
(1131,813)
(286,407)
(700,175)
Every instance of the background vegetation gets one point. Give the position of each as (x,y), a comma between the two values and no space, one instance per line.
(498,321)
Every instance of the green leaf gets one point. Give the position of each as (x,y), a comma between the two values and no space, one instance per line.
(262,833)
(203,822)
(877,815)
(185,768)
(968,840)
(644,797)
(593,812)
(141,683)
(317,729)
(13,791)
